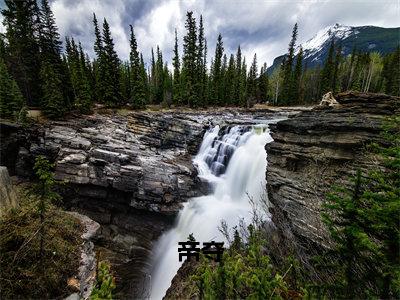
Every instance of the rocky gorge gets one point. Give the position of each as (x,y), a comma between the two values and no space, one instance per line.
(132,172)
(311,152)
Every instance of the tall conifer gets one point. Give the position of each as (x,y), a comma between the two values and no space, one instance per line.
(11,100)
(110,66)
(217,78)
(189,60)
(50,45)
(177,73)
(287,89)
(297,77)
(263,83)
(328,70)
(22,31)
(138,94)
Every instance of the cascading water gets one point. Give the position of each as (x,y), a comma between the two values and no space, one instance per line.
(234,162)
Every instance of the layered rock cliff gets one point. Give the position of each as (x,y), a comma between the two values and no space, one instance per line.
(128,172)
(313,151)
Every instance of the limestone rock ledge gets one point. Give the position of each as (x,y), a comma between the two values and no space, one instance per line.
(314,150)
(142,160)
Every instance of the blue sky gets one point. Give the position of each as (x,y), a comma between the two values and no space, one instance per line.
(261,26)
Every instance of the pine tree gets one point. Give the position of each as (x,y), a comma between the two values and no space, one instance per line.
(98,44)
(335,77)
(3,48)
(22,31)
(152,78)
(206,81)
(189,61)
(109,64)
(351,69)
(297,78)
(229,79)
(223,91)
(159,76)
(327,71)
(217,84)
(287,88)
(52,101)
(252,83)
(263,83)
(167,87)
(98,63)
(83,97)
(201,69)
(44,191)
(50,46)
(11,100)
(79,77)
(177,73)
(50,43)
(67,82)
(357,81)
(391,73)
(144,80)
(125,82)
(138,94)
(237,94)
(243,84)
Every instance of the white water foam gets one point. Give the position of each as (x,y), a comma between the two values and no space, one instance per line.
(234,163)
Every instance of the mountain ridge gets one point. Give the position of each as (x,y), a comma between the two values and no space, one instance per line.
(367,38)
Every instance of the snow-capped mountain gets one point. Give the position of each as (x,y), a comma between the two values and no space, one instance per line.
(324,36)
(364,38)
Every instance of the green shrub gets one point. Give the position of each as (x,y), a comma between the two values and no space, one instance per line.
(25,272)
(105,284)
(364,222)
(245,272)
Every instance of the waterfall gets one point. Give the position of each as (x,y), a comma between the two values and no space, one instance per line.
(233,161)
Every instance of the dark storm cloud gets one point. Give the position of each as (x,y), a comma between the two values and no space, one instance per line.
(234,37)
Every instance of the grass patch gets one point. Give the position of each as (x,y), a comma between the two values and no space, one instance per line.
(24,274)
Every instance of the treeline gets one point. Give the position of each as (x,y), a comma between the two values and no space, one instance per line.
(294,83)
(36,72)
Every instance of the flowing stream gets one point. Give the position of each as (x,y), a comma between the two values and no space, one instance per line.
(233,161)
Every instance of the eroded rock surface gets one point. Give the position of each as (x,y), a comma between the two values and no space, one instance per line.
(8,196)
(129,173)
(88,262)
(142,158)
(313,151)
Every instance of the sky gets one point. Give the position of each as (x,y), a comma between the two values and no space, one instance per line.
(259,26)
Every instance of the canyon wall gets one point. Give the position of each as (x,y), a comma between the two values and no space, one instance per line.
(130,173)
(315,150)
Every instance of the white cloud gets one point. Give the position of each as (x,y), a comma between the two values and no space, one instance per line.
(75,18)
(259,26)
